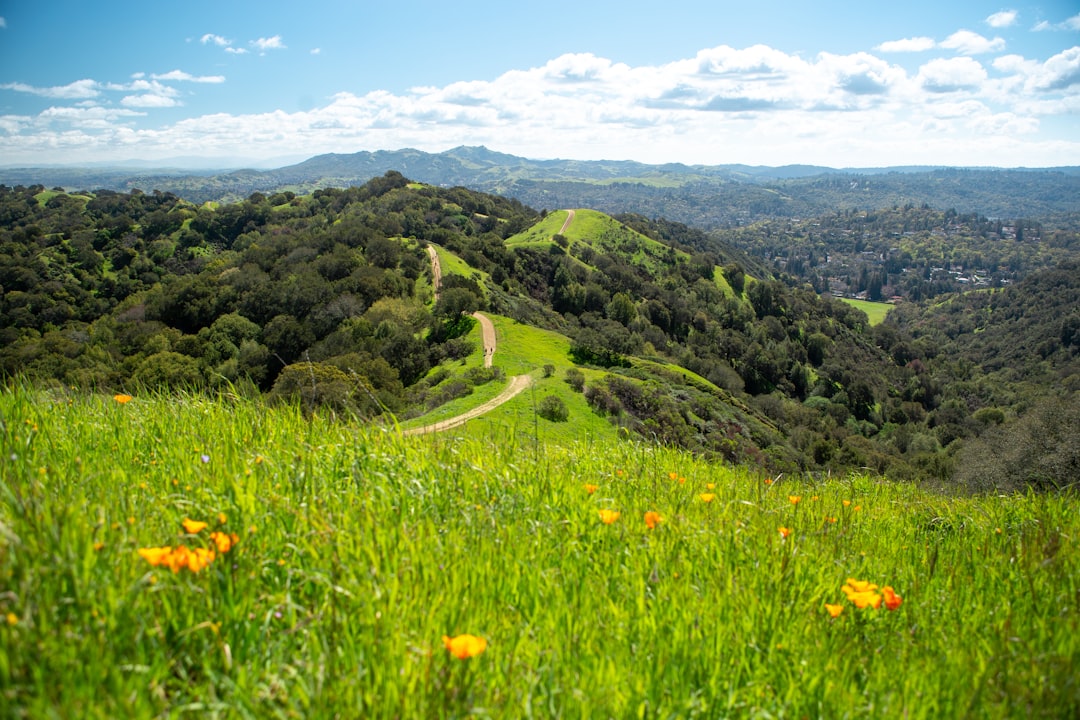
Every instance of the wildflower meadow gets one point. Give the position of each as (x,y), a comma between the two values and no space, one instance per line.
(181,556)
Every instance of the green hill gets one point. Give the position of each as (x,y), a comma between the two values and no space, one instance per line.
(327,300)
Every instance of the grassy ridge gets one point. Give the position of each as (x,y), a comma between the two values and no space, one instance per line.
(359,549)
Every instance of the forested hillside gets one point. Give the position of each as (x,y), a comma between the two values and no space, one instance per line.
(704,196)
(328,297)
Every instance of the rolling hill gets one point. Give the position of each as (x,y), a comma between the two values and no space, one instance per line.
(704,196)
(327,300)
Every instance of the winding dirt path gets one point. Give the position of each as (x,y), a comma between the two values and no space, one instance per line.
(569,219)
(518,383)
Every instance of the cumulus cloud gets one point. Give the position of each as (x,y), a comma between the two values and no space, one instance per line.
(215,39)
(967,42)
(952,74)
(270,43)
(1002,19)
(1060,72)
(148,100)
(188,77)
(236,51)
(913,44)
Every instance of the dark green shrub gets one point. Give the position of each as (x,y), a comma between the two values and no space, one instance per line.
(553,408)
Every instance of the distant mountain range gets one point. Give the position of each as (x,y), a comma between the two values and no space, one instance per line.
(707,196)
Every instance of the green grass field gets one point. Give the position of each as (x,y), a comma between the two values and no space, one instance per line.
(875,311)
(358,550)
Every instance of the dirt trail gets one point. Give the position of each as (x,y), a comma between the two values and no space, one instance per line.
(436,271)
(517,383)
(569,219)
(488,331)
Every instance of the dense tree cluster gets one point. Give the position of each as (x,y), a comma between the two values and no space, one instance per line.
(116,290)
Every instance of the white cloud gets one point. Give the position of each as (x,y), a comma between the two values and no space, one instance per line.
(316,51)
(3,23)
(72,91)
(1005,18)
(236,51)
(270,43)
(183,76)
(215,39)
(913,44)
(148,100)
(966,42)
(1072,23)
(756,104)
(1060,72)
(952,74)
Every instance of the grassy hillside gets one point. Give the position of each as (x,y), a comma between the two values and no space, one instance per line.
(358,556)
(875,311)
(328,299)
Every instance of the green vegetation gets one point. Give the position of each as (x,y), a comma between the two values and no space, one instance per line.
(662,521)
(357,550)
(327,300)
(875,311)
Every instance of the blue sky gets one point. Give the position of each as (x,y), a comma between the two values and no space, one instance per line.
(769,82)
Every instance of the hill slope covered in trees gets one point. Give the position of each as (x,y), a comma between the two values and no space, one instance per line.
(328,299)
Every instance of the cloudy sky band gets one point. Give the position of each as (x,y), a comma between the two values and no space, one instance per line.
(966,100)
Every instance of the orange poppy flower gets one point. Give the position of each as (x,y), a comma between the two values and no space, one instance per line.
(673,475)
(200,558)
(122,398)
(859,585)
(193,526)
(224,541)
(590,488)
(862,593)
(609,516)
(155,556)
(834,610)
(707,497)
(652,519)
(784,531)
(892,600)
(794,499)
(464,647)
